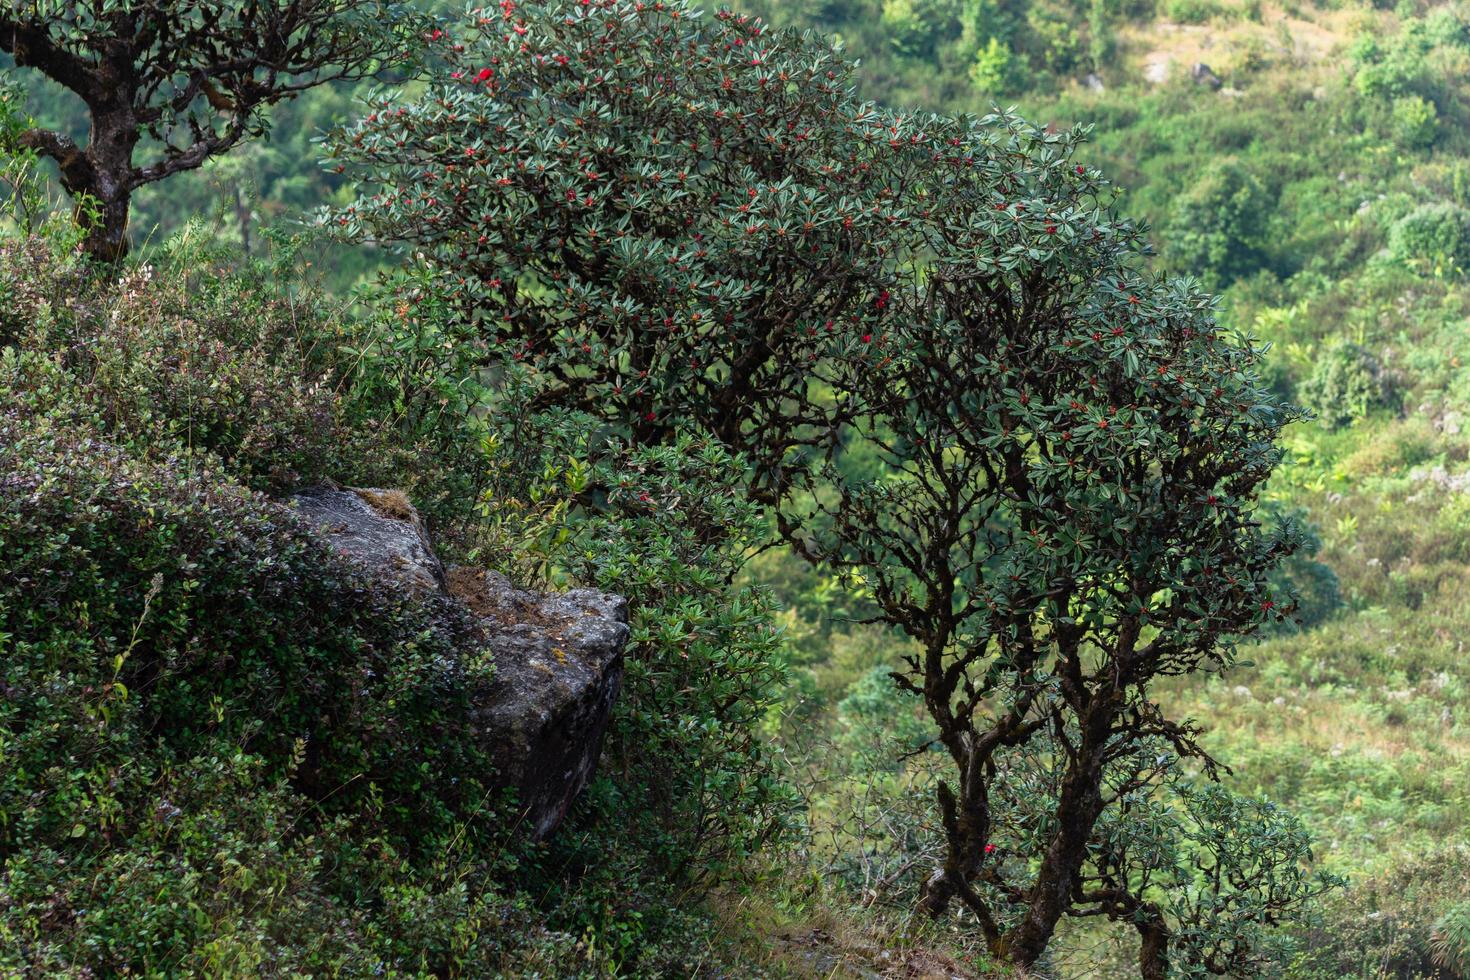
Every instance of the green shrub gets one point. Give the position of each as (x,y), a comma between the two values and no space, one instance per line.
(1385,925)
(205,718)
(994,70)
(1415,122)
(1314,582)
(916,26)
(1451,940)
(1053,35)
(687,779)
(251,367)
(1192,11)
(195,356)
(190,609)
(1432,238)
(1346,385)
(1218,226)
(191,618)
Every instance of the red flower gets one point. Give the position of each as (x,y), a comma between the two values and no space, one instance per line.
(989,848)
(867,338)
(485,75)
(882,300)
(1267,605)
(1081,170)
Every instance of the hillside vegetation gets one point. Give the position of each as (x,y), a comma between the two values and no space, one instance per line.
(586,374)
(1321,186)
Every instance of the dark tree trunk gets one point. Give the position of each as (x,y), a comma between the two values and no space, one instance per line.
(110,155)
(1078,807)
(99,178)
(242,215)
(106,224)
(1153,949)
(967,828)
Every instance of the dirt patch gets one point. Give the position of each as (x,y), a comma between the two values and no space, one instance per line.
(1303,37)
(472,586)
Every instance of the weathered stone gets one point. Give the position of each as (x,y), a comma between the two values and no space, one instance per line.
(558,660)
(558,656)
(1202,75)
(379,528)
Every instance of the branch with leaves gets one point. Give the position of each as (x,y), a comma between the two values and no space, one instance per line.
(179,83)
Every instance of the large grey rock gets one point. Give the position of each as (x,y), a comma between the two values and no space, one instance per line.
(1202,75)
(558,667)
(379,528)
(558,656)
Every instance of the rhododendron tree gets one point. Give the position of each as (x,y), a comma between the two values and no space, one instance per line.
(1034,457)
(1073,453)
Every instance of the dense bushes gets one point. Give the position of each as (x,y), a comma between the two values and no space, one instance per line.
(1398,923)
(688,786)
(1433,237)
(196,642)
(196,687)
(256,666)
(1345,385)
(193,356)
(1218,226)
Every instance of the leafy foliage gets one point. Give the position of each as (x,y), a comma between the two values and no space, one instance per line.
(192,77)
(177,641)
(1346,383)
(1433,237)
(1451,941)
(1218,228)
(670,230)
(258,690)
(687,780)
